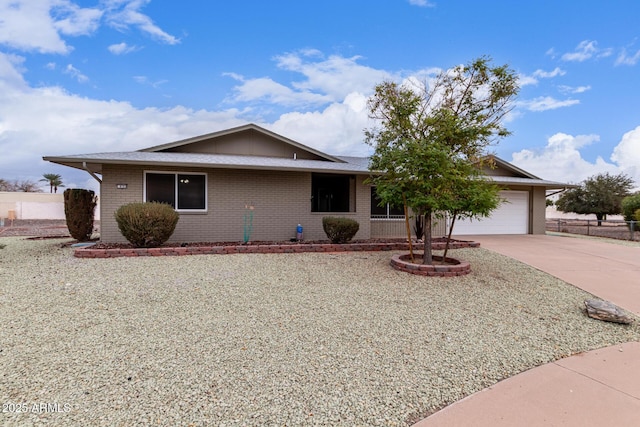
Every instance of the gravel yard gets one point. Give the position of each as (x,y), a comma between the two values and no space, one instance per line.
(269,339)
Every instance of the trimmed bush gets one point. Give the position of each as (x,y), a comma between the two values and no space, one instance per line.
(340,230)
(79,208)
(630,205)
(146,225)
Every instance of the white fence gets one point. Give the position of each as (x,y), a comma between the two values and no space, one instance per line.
(16,205)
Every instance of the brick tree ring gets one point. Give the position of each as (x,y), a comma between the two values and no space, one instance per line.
(453,267)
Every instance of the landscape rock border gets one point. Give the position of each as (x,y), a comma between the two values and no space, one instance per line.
(260,249)
(453,267)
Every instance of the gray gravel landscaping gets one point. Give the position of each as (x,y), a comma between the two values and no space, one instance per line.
(269,339)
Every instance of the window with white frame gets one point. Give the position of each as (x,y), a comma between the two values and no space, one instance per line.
(384,211)
(183,191)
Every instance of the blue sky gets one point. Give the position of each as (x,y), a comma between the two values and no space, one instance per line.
(92,76)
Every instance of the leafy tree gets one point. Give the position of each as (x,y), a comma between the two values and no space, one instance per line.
(432,135)
(600,194)
(630,205)
(473,198)
(54,180)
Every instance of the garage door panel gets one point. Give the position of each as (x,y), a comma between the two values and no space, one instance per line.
(511,217)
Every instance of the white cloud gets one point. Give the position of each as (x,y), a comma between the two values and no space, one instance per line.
(325,80)
(422,3)
(338,129)
(11,73)
(144,80)
(121,14)
(544,103)
(549,74)
(627,154)
(70,19)
(264,89)
(572,89)
(561,160)
(39,25)
(28,25)
(336,76)
(525,80)
(627,59)
(121,48)
(75,73)
(586,49)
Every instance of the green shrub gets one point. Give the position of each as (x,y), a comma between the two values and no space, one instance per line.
(79,208)
(146,225)
(638,215)
(339,230)
(630,205)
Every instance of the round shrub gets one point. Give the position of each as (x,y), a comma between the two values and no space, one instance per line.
(146,225)
(630,205)
(79,208)
(340,230)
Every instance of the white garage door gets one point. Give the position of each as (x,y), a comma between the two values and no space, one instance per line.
(511,217)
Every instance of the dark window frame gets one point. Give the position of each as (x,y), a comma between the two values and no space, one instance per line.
(332,193)
(181,201)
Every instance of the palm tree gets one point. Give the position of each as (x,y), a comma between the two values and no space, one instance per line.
(54,181)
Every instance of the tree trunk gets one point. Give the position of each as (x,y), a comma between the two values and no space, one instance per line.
(599,217)
(427,257)
(406,223)
(446,245)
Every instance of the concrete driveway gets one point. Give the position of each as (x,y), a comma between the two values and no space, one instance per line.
(600,387)
(607,269)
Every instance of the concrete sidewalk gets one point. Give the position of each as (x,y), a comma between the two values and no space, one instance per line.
(600,387)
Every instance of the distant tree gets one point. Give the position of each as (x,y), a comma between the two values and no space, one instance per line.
(54,181)
(26,186)
(600,195)
(630,205)
(429,134)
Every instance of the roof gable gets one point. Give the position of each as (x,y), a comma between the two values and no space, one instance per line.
(503,168)
(247,140)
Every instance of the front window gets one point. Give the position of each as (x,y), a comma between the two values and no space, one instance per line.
(183,191)
(384,211)
(332,193)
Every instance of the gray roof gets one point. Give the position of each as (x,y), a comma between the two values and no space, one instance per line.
(356,165)
(535,182)
(353,165)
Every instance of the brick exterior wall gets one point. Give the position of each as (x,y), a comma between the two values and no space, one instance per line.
(281,200)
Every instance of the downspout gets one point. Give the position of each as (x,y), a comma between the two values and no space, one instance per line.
(86,168)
